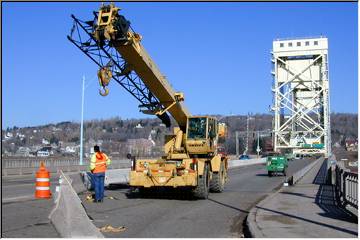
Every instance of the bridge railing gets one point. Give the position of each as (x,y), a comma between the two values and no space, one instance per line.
(30,166)
(50,162)
(346,187)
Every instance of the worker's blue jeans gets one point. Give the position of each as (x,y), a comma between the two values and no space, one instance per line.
(99,185)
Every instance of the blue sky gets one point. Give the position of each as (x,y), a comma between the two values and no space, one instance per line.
(218,54)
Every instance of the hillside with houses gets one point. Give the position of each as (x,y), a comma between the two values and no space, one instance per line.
(143,137)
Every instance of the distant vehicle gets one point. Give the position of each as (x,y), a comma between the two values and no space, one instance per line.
(290,156)
(276,164)
(244,157)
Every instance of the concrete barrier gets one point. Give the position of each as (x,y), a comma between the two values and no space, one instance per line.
(69,216)
(77,182)
(113,176)
(239,163)
(299,174)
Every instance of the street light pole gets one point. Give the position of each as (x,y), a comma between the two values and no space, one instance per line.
(258,146)
(237,143)
(247,134)
(82,122)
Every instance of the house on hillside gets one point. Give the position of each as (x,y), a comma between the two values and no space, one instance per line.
(23,152)
(351,145)
(8,135)
(42,153)
(20,135)
(48,149)
(69,148)
(140,146)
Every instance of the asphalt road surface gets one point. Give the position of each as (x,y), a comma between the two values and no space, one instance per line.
(222,215)
(162,215)
(23,216)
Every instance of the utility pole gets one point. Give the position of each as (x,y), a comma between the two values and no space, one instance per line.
(82,122)
(237,143)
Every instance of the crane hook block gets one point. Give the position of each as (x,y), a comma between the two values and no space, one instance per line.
(105,92)
(104,75)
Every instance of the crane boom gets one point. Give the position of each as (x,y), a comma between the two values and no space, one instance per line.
(140,61)
(129,65)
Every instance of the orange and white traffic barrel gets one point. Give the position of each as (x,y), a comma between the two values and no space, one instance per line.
(42,182)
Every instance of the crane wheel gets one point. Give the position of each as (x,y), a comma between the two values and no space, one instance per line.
(217,182)
(202,189)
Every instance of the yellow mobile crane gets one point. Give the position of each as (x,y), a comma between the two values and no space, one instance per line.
(191,156)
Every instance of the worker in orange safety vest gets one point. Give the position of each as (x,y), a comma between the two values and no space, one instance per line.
(98,164)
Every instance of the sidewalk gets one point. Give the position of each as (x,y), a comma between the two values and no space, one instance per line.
(305,210)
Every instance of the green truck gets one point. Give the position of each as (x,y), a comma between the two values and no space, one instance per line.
(276,163)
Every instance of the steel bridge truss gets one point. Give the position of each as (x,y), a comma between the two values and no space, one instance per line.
(105,55)
(301,104)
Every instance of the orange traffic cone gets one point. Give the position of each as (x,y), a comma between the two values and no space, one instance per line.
(42,182)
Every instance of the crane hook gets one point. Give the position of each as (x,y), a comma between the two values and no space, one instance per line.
(105,92)
(104,75)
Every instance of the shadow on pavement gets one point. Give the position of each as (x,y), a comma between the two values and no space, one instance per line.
(262,175)
(326,200)
(266,175)
(311,221)
(296,194)
(117,186)
(161,193)
(229,206)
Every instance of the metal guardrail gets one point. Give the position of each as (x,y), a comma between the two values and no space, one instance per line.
(30,166)
(35,163)
(346,187)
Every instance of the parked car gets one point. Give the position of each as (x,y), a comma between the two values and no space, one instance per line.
(244,157)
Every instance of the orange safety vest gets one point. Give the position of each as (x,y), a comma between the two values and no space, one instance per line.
(100,164)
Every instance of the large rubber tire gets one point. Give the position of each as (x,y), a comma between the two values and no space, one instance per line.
(202,189)
(217,182)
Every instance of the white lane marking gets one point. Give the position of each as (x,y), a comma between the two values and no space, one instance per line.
(19,185)
(17,198)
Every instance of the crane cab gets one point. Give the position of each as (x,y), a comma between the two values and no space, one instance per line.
(201,135)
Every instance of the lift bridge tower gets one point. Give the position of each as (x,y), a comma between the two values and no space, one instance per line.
(301,102)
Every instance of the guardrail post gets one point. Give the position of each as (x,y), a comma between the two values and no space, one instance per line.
(346,189)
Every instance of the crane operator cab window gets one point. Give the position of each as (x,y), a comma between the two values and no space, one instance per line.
(197,128)
(212,131)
